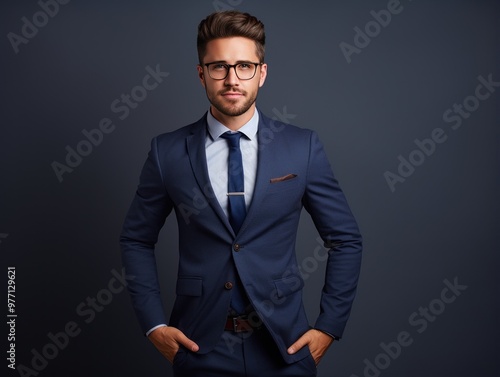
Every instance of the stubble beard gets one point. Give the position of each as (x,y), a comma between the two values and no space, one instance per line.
(230,107)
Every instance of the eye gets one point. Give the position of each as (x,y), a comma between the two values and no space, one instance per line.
(218,67)
(244,66)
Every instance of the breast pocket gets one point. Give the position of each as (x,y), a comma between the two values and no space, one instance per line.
(283,184)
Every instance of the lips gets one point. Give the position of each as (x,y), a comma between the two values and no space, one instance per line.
(232,94)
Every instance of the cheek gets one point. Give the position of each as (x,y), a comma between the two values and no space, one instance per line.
(258,85)
(211,87)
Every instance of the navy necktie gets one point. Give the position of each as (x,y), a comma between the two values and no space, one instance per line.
(236,207)
(236,182)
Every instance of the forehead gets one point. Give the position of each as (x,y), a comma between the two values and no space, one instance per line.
(231,50)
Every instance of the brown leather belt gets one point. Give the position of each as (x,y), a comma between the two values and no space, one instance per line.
(241,324)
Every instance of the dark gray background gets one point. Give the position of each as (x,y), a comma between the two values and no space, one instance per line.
(441,223)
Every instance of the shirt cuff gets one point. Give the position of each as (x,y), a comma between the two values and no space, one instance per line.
(327,333)
(154,328)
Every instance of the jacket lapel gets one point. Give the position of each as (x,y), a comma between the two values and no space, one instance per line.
(195,144)
(262,179)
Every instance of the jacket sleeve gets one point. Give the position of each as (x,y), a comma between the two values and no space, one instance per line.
(327,205)
(145,218)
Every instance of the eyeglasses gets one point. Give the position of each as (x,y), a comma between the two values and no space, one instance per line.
(244,71)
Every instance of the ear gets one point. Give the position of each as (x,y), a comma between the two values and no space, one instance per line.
(263,74)
(201,75)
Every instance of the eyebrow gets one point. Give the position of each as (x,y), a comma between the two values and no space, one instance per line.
(226,62)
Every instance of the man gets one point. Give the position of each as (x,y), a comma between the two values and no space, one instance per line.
(237,182)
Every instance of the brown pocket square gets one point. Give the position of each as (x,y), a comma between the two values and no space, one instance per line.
(284,178)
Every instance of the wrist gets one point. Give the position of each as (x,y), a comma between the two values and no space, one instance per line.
(334,337)
(150,331)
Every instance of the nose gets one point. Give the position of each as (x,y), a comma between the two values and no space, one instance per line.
(231,78)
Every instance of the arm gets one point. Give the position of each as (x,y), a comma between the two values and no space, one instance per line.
(145,218)
(328,207)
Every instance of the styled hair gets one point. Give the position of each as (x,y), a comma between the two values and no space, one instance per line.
(231,24)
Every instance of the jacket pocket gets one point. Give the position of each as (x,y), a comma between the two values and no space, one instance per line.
(283,186)
(283,178)
(189,286)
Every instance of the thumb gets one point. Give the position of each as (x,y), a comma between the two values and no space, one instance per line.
(301,342)
(186,342)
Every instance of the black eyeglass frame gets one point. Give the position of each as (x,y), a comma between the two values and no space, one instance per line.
(229,66)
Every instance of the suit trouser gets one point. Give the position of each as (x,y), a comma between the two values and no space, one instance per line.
(245,354)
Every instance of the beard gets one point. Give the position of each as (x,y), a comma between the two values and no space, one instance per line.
(231,107)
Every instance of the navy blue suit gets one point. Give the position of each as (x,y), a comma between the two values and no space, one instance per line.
(293,173)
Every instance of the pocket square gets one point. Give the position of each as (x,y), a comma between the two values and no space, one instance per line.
(284,178)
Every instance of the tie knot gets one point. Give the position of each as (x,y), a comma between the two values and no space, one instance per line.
(232,138)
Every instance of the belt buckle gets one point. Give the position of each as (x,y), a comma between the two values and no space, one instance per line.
(238,325)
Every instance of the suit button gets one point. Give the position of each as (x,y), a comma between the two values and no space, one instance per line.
(236,247)
(228,285)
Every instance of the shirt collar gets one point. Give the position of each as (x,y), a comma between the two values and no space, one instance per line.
(216,128)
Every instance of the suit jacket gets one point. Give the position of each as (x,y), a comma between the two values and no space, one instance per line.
(292,172)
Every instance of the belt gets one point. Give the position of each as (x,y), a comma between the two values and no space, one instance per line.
(241,324)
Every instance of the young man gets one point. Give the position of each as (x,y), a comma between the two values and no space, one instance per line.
(237,182)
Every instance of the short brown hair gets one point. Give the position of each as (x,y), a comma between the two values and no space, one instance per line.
(231,24)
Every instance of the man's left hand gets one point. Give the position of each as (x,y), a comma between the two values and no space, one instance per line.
(317,341)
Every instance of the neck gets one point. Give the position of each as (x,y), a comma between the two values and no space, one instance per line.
(234,123)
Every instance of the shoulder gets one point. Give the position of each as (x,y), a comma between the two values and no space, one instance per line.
(181,133)
(272,128)
(175,141)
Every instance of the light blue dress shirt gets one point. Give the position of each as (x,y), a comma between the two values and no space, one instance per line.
(217,152)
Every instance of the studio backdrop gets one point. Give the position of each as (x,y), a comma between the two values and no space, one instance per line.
(404,96)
